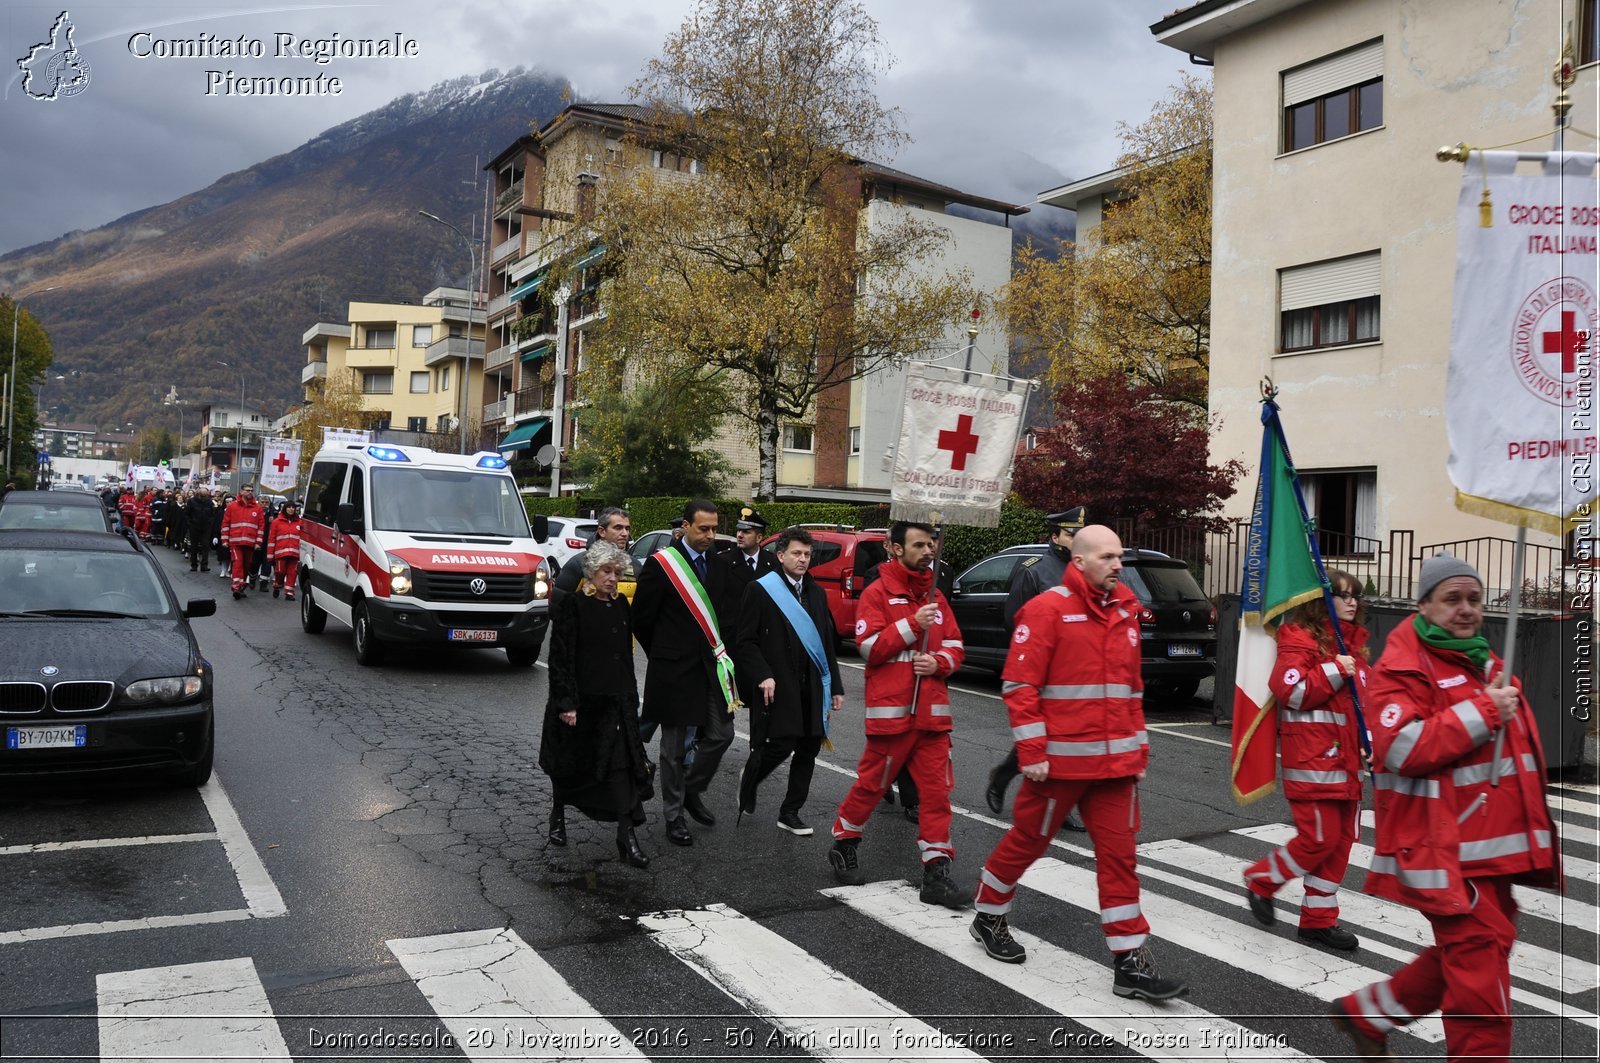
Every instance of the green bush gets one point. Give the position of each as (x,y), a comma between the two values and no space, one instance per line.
(565,506)
(1018,524)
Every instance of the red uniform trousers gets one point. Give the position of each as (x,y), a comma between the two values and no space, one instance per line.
(1110,811)
(1319,852)
(244,557)
(927,754)
(1466,973)
(287,571)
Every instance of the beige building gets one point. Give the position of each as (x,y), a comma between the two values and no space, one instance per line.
(1334,232)
(544,188)
(408,361)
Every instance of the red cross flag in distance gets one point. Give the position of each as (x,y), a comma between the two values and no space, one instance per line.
(280,464)
(1519,398)
(958,436)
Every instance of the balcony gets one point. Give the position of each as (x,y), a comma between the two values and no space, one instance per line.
(511,197)
(505,249)
(539,398)
(499,357)
(452,348)
(314,371)
(369,357)
(497,411)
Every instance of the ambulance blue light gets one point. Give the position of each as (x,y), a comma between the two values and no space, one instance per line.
(491,461)
(387,454)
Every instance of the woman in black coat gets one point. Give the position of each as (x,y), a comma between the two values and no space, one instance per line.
(590,747)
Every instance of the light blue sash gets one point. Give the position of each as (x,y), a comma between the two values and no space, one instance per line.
(778,589)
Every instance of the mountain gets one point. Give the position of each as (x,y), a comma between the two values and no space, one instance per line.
(239,270)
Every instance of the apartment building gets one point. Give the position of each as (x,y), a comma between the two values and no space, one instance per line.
(545,185)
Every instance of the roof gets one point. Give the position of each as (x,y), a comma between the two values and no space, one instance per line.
(53,498)
(1068,196)
(615,115)
(1196,29)
(882,174)
(61,539)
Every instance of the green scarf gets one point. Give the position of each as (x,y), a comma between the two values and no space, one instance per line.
(1476,648)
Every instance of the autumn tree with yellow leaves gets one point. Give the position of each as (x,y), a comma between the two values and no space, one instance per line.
(752,271)
(335,403)
(1133,296)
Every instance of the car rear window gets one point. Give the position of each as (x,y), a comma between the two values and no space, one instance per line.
(76,581)
(54,516)
(1162,584)
(823,552)
(870,553)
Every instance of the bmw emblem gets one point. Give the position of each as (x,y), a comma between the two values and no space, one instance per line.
(479,586)
(49,669)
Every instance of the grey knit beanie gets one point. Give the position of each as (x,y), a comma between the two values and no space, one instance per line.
(1440,567)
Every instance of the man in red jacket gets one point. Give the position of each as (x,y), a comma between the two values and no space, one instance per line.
(1451,843)
(244,527)
(1075,696)
(907,634)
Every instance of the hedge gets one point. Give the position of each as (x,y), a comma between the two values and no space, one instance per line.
(964,546)
(565,506)
(648,514)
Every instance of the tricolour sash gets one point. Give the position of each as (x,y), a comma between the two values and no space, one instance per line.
(805,629)
(681,575)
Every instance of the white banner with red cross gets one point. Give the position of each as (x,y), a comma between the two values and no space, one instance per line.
(958,438)
(280,464)
(1520,396)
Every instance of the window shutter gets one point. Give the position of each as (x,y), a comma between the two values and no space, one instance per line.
(1335,72)
(1334,281)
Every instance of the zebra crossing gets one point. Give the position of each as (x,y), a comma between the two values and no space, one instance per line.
(795,984)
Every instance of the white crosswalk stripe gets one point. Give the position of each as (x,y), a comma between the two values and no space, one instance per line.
(197,1011)
(500,999)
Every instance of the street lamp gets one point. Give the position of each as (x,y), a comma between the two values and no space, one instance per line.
(472,309)
(11,399)
(180,404)
(238,433)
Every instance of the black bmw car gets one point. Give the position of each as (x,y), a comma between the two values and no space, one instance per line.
(100,673)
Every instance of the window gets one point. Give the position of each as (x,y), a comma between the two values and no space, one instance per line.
(455,331)
(221,419)
(377,383)
(419,382)
(797,437)
(855,440)
(1343,506)
(1328,304)
(1333,97)
(322,493)
(445,423)
(421,335)
(380,337)
(416,424)
(991,576)
(444,378)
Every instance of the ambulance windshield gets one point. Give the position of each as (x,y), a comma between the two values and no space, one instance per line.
(447,501)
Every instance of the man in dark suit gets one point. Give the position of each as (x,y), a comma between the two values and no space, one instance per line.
(780,680)
(746,564)
(682,685)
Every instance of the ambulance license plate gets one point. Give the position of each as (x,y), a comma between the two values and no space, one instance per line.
(71,737)
(468,634)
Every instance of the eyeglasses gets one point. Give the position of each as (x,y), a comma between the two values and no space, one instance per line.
(1347,596)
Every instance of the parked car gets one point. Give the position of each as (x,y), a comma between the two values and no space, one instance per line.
(71,486)
(843,560)
(101,674)
(650,542)
(569,537)
(1178,624)
(42,510)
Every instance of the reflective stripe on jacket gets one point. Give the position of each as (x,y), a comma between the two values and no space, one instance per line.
(887,637)
(1317,736)
(283,540)
(1072,682)
(1439,821)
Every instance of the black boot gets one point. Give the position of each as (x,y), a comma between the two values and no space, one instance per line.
(628,847)
(994,795)
(558,825)
(1136,976)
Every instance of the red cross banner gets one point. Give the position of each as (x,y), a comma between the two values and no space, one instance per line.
(1519,397)
(280,464)
(958,436)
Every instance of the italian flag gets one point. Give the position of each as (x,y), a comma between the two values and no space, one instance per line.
(1279,574)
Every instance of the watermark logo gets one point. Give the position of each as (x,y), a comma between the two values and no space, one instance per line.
(55,69)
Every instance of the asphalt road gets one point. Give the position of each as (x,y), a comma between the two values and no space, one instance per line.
(356,811)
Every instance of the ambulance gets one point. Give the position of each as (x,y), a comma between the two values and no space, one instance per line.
(406,545)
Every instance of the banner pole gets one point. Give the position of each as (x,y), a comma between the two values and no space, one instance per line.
(1510,655)
(933,589)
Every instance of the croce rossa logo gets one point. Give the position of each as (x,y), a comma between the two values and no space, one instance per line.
(54,69)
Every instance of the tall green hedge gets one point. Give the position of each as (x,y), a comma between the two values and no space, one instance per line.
(565,506)
(648,514)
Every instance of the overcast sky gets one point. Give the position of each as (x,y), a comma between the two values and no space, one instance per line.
(1002,98)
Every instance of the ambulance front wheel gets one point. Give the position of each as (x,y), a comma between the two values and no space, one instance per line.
(369,651)
(312,618)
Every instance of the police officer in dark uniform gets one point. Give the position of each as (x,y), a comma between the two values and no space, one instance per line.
(746,564)
(1033,577)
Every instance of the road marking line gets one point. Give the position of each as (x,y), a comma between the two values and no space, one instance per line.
(155,922)
(1065,982)
(260,894)
(492,980)
(1568,804)
(193,1011)
(107,843)
(809,1001)
(1285,961)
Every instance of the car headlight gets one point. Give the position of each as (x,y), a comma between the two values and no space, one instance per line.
(164,691)
(541,581)
(399,577)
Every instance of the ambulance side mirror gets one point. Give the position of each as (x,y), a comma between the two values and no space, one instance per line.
(541,527)
(347,520)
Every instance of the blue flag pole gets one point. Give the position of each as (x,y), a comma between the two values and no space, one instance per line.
(1269,416)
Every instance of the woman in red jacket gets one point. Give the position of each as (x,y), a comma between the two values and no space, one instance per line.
(1320,750)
